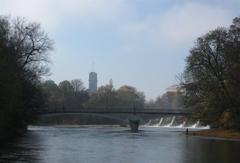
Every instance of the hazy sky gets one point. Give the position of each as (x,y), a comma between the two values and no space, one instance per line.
(142,43)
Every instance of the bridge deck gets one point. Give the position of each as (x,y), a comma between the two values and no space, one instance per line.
(121,111)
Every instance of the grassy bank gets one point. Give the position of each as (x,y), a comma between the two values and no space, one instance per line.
(218,133)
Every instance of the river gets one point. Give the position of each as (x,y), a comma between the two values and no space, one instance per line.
(102,144)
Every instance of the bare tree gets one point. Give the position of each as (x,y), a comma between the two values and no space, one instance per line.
(24,48)
(77,85)
(31,45)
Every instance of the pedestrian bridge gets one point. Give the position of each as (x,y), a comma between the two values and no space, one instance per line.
(113,115)
(118,111)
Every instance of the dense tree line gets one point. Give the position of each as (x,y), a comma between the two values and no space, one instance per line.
(72,96)
(169,100)
(68,95)
(107,97)
(24,48)
(212,77)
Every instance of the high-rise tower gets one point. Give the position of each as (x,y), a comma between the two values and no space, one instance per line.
(92,82)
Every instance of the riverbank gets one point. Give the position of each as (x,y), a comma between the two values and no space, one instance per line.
(11,135)
(218,133)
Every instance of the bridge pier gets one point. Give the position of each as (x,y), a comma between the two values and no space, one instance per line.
(134,124)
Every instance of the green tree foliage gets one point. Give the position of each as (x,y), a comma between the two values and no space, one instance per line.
(72,96)
(53,95)
(104,98)
(128,96)
(65,96)
(169,100)
(24,48)
(107,97)
(212,77)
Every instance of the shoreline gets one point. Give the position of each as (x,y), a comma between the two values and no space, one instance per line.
(217,133)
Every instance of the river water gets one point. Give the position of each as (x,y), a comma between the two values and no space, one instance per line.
(104,144)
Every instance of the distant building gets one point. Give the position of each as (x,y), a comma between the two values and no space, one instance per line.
(172,98)
(173,88)
(92,82)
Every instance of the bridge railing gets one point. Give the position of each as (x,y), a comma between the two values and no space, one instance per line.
(118,110)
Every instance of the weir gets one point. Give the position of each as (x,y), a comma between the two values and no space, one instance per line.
(160,122)
(174,122)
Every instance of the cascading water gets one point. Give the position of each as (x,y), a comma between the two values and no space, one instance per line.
(158,124)
(173,119)
(195,125)
(181,125)
(161,121)
(171,123)
(148,123)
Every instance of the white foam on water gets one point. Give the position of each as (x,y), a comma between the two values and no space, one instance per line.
(148,123)
(170,125)
(195,125)
(160,122)
(181,125)
(157,124)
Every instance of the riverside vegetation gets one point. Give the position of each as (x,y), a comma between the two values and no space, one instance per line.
(211,81)
(24,48)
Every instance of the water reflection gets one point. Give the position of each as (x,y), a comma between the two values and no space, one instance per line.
(201,150)
(24,149)
(111,144)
